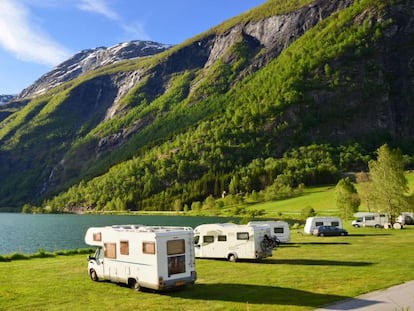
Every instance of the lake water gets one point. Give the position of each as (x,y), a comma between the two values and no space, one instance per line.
(26,233)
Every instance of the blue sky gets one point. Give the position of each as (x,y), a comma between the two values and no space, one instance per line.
(37,35)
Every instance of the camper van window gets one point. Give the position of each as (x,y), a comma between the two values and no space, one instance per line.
(110,250)
(369,218)
(175,247)
(242,235)
(176,264)
(278,230)
(335,223)
(124,248)
(148,248)
(319,223)
(208,239)
(222,238)
(97,236)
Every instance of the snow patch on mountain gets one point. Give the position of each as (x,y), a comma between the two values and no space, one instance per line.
(90,59)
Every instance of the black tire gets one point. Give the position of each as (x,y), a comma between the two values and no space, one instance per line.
(356,226)
(232,258)
(342,233)
(377,226)
(134,284)
(93,275)
(321,234)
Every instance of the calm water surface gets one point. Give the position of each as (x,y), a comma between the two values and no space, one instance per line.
(25,233)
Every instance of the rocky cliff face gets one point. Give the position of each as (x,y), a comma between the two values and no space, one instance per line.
(90,59)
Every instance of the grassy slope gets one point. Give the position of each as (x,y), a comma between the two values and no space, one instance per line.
(308,273)
(322,199)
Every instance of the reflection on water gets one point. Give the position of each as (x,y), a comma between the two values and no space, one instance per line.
(25,233)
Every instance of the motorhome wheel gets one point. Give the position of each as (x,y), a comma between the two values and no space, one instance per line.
(94,275)
(232,258)
(134,284)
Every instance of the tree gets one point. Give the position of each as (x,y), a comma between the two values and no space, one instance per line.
(347,198)
(389,184)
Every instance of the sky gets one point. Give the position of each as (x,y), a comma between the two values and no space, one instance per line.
(37,35)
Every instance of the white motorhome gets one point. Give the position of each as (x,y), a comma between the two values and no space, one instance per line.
(279,229)
(153,257)
(231,241)
(314,222)
(365,219)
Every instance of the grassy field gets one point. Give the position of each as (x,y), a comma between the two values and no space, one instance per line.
(321,199)
(302,275)
(307,273)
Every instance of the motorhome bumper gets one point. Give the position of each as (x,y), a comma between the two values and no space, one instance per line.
(169,284)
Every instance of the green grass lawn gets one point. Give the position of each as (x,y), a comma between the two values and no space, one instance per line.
(321,199)
(303,275)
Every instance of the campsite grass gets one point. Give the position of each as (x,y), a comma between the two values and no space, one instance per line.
(302,275)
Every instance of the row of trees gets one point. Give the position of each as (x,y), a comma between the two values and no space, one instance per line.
(386,191)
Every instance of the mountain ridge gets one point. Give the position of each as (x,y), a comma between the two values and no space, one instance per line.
(190,121)
(90,59)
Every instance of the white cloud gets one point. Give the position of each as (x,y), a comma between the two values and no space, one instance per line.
(25,40)
(135,31)
(98,7)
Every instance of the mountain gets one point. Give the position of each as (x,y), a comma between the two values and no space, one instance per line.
(90,59)
(288,93)
(4,99)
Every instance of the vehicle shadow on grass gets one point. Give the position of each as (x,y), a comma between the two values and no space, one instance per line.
(316,243)
(368,234)
(316,262)
(257,294)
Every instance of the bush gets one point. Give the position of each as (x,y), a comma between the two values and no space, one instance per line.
(308,211)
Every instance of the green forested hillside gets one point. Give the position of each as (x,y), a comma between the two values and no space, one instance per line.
(253,119)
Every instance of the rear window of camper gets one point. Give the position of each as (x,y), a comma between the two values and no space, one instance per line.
(148,248)
(176,264)
(175,247)
(318,223)
(335,223)
(242,235)
(278,230)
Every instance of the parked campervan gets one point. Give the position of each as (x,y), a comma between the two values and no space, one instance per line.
(231,241)
(314,222)
(142,256)
(365,219)
(279,229)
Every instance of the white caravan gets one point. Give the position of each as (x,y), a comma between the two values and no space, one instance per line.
(233,241)
(365,219)
(154,257)
(279,229)
(314,222)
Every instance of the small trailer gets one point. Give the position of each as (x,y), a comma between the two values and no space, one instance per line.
(159,258)
(314,222)
(279,229)
(232,242)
